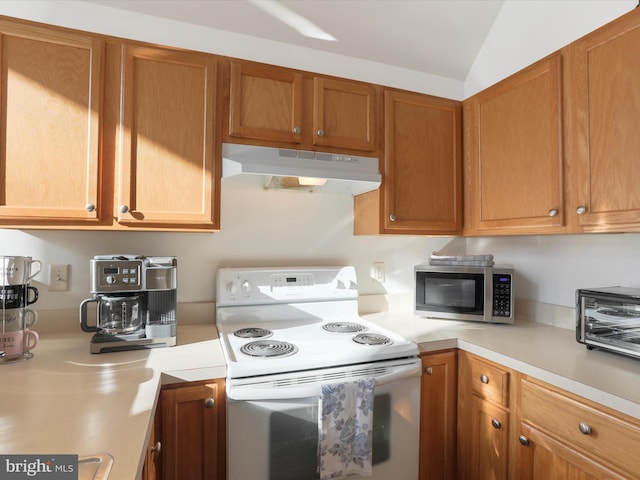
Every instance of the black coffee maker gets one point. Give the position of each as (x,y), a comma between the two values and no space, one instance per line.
(136,300)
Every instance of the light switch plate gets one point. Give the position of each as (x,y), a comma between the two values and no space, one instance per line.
(59,277)
(377,271)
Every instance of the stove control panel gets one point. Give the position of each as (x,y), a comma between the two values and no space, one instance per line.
(250,286)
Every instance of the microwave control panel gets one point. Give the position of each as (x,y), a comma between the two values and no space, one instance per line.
(501,295)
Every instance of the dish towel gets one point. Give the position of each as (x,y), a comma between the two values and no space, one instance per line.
(345,429)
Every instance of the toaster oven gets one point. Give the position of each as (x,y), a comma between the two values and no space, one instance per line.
(609,319)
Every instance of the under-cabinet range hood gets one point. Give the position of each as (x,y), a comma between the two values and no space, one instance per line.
(290,169)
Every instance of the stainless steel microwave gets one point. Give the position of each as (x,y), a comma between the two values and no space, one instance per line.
(609,319)
(482,294)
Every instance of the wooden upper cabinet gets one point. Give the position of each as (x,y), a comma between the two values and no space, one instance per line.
(287,108)
(265,103)
(344,114)
(165,174)
(421,190)
(50,107)
(514,154)
(604,144)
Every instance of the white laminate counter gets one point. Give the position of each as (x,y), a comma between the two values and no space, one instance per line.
(66,400)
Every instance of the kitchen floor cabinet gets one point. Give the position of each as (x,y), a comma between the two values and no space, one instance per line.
(564,436)
(193,425)
(421,192)
(483,419)
(283,107)
(514,157)
(603,114)
(438,415)
(51,84)
(166,166)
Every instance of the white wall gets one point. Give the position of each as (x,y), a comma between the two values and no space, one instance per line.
(269,228)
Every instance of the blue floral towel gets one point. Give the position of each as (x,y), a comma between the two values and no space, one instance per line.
(345,429)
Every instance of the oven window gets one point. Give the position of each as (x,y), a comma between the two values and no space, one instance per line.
(293,440)
(450,292)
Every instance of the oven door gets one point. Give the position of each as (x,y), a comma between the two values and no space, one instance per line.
(277,439)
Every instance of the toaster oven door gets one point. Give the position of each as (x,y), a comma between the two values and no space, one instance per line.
(609,321)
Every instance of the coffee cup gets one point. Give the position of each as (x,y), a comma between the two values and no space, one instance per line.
(17,296)
(18,270)
(18,319)
(16,344)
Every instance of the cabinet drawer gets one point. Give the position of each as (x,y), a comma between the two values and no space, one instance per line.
(581,426)
(490,382)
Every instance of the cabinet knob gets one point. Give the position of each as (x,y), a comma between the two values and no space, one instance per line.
(428,370)
(392,217)
(90,207)
(320,132)
(581,210)
(124,208)
(553,212)
(496,423)
(296,130)
(157,448)
(209,402)
(484,379)
(585,428)
(523,440)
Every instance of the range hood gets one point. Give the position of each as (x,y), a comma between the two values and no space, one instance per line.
(290,169)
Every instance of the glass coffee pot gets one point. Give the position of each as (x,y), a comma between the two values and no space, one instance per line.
(116,314)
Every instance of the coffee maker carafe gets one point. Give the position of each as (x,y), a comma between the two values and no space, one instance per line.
(136,299)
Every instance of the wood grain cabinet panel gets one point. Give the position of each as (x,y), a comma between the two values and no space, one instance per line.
(166,173)
(51,87)
(514,157)
(604,143)
(438,416)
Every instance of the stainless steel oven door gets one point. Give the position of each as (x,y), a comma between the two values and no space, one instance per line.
(277,439)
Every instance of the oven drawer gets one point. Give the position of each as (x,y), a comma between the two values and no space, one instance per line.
(581,426)
(488,381)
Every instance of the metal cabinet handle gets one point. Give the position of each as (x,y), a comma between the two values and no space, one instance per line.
(484,379)
(320,132)
(124,208)
(581,210)
(296,130)
(392,217)
(553,212)
(523,440)
(585,428)
(428,370)
(90,207)
(496,423)
(209,402)
(157,448)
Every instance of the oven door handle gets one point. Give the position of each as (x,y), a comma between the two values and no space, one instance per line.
(280,387)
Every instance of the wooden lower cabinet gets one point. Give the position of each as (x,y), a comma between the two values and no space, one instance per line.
(191,420)
(438,415)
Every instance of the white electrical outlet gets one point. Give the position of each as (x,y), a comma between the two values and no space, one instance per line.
(377,271)
(59,278)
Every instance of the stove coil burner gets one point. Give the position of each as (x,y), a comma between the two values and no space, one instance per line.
(269,348)
(343,327)
(253,332)
(372,339)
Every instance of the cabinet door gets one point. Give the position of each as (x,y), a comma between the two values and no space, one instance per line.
(514,153)
(543,457)
(51,107)
(265,103)
(344,114)
(422,178)
(603,120)
(438,416)
(193,432)
(168,175)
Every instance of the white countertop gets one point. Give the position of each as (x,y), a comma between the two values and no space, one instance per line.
(66,400)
